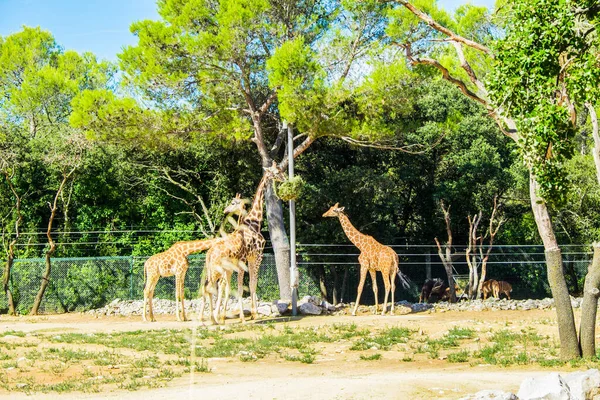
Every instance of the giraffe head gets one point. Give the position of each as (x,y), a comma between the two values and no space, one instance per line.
(334,211)
(237,206)
(274,173)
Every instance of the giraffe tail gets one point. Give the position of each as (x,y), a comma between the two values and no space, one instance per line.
(404,279)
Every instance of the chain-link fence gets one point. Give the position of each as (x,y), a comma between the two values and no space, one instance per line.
(84,283)
(327,270)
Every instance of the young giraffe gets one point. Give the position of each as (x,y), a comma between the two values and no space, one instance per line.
(373,257)
(173,261)
(244,246)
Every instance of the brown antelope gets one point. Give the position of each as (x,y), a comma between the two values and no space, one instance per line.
(488,288)
(502,287)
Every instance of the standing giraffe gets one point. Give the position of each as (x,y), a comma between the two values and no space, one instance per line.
(245,245)
(373,257)
(173,261)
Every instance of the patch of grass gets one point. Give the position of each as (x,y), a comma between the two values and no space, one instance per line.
(372,357)
(147,362)
(458,357)
(307,356)
(461,333)
(550,362)
(407,359)
(384,340)
(223,347)
(13,333)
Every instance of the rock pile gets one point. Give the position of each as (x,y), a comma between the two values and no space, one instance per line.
(311,305)
(581,385)
(308,305)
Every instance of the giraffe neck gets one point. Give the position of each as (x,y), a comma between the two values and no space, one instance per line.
(193,246)
(254,217)
(357,238)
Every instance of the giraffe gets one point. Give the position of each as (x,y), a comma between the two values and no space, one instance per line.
(173,261)
(373,257)
(243,247)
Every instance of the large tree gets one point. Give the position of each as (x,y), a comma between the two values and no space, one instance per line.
(38,80)
(234,70)
(542,65)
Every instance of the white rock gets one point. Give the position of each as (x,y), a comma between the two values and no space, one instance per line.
(490,395)
(549,387)
(264,310)
(309,308)
(582,383)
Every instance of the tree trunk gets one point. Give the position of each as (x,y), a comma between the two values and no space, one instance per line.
(322,286)
(6,281)
(596,136)
(50,252)
(279,241)
(11,248)
(569,343)
(334,291)
(46,276)
(589,306)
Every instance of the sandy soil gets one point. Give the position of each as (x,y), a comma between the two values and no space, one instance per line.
(336,373)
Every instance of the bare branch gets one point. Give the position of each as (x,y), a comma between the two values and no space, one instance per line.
(442,29)
(405,149)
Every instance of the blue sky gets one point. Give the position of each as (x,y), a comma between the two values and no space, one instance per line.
(99,26)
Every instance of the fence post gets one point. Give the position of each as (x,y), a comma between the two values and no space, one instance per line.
(131,278)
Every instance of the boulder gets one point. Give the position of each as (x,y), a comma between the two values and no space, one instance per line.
(309,309)
(549,387)
(282,306)
(583,385)
(264,309)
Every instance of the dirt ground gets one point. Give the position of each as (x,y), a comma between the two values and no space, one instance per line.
(336,373)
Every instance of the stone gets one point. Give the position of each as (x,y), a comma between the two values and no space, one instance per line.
(403,310)
(490,395)
(549,387)
(282,306)
(327,306)
(264,310)
(582,383)
(309,309)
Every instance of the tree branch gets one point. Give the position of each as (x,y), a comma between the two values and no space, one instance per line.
(442,29)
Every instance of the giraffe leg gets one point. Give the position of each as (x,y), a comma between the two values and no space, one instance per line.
(240,278)
(227,287)
(393,284)
(201,308)
(219,285)
(386,284)
(363,275)
(374,280)
(210,302)
(177,296)
(149,294)
(181,290)
(253,268)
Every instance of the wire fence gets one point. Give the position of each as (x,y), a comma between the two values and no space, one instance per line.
(331,271)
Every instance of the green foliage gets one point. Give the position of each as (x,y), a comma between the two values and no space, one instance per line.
(291,189)
(543,69)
